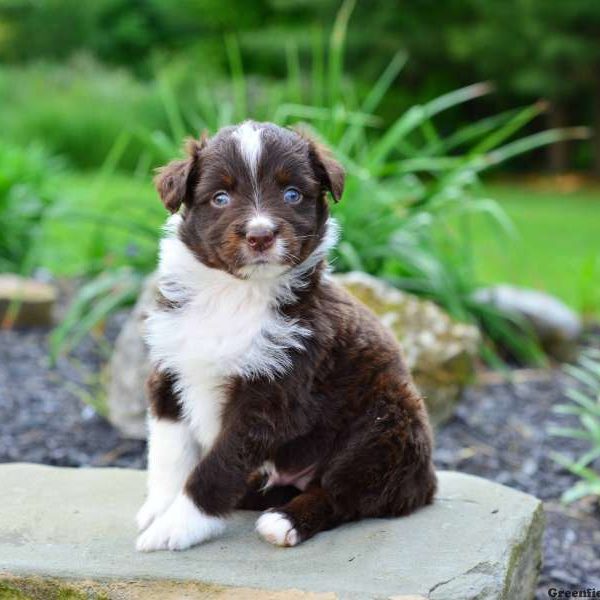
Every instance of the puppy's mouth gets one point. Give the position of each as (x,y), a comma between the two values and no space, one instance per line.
(263,258)
(271,260)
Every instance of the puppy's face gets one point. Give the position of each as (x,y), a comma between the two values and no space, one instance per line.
(254,197)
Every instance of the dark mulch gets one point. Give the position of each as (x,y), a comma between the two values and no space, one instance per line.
(498,432)
(44,417)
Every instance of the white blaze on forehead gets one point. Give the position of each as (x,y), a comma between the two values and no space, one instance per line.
(248,137)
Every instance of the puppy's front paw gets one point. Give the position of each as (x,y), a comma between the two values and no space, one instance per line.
(277,529)
(151,509)
(183,525)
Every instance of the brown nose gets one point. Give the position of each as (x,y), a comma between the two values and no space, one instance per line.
(260,238)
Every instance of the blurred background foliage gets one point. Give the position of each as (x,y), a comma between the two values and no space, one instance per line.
(531,49)
(94,95)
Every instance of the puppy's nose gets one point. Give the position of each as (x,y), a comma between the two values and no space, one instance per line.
(260,237)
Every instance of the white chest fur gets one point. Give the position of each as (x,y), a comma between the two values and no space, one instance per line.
(223,326)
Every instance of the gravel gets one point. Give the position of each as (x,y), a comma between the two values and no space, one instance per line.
(499,432)
(46,413)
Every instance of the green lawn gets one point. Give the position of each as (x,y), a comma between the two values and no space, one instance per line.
(557,247)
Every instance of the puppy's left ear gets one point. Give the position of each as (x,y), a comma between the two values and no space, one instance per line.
(328,170)
(174,182)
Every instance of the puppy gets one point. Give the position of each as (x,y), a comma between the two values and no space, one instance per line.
(273,389)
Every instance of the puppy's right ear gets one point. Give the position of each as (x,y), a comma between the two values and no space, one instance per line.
(175,181)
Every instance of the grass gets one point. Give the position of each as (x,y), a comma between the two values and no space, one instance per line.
(77,110)
(556,247)
(116,195)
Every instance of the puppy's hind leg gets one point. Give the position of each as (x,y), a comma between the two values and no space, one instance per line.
(385,470)
(300,519)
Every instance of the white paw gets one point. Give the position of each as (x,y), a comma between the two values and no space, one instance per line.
(151,509)
(181,526)
(276,528)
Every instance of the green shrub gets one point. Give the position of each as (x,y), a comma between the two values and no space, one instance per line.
(28,191)
(411,190)
(585,405)
(78,110)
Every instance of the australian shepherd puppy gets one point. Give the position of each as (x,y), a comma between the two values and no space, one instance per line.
(272,389)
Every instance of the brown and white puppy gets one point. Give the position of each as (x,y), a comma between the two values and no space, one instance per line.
(272,387)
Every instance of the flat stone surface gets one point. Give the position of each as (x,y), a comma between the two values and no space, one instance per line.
(480,540)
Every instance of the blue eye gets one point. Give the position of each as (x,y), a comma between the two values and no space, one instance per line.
(220,199)
(292,196)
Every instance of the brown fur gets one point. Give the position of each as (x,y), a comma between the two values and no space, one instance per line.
(163,400)
(348,405)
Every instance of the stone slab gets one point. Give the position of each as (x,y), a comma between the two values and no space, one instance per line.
(75,527)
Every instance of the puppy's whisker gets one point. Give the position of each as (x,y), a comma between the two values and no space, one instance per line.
(290,255)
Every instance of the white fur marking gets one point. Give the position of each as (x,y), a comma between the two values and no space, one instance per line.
(248,136)
(182,526)
(172,454)
(267,468)
(276,529)
(260,220)
(225,326)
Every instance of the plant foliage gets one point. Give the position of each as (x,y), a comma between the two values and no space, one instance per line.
(584,394)
(412,188)
(28,191)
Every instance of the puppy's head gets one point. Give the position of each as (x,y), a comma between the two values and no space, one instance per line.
(254,197)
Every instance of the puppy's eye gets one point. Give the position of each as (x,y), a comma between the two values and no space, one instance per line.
(220,199)
(291,196)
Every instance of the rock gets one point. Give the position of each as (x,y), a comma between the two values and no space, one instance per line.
(129,368)
(557,327)
(25,302)
(72,530)
(440,352)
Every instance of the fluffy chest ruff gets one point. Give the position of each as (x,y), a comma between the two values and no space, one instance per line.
(213,326)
